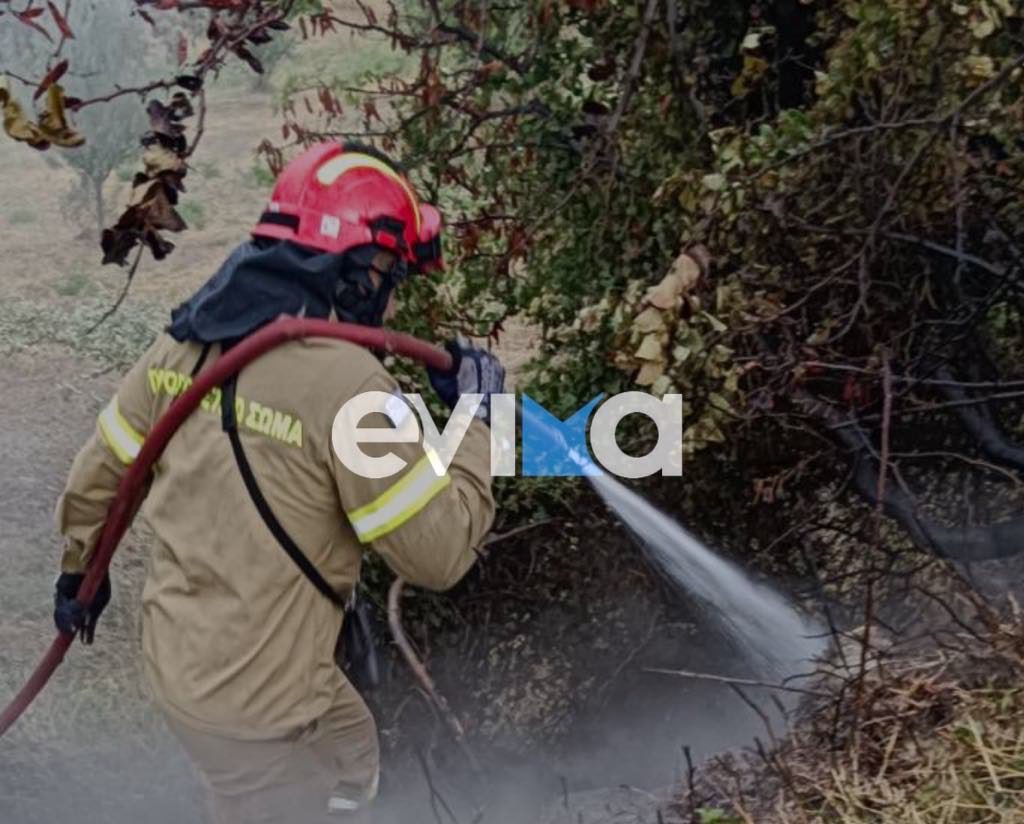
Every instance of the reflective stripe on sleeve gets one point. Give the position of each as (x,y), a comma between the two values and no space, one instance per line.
(399,503)
(124,441)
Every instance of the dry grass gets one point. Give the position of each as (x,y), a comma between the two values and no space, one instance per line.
(933,737)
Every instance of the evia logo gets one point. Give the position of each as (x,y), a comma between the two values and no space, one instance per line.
(585,443)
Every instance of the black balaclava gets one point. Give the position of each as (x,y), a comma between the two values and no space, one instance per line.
(263,279)
(356,299)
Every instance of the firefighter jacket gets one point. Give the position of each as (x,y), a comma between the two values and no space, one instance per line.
(235,639)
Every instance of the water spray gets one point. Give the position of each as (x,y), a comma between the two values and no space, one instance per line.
(759,620)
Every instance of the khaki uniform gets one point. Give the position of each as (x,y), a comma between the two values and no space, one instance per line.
(238,644)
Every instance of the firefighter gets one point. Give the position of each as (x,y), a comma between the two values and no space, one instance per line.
(238,641)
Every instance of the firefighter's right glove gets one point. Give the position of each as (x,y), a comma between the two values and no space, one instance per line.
(474,371)
(69,615)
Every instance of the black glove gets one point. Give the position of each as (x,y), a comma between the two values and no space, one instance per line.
(69,615)
(473,371)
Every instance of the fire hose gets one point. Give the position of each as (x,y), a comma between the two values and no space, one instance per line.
(128,496)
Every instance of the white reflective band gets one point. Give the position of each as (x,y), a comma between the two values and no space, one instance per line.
(337,804)
(124,441)
(399,503)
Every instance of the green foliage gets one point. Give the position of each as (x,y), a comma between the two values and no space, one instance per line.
(75,284)
(118,343)
(21,217)
(194,213)
(763,207)
(715,815)
(260,177)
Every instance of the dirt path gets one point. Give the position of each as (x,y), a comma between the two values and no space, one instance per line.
(91,736)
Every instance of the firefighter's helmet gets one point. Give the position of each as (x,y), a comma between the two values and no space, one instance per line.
(336,197)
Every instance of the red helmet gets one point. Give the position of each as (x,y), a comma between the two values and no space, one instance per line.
(335,198)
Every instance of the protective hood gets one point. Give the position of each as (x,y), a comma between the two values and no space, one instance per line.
(256,284)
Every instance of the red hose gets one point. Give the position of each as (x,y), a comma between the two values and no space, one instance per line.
(126,501)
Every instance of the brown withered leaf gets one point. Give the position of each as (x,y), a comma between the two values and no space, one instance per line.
(649,373)
(28,18)
(189,82)
(250,58)
(61,22)
(259,37)
(143,190)
(160,214)
(181,106)
(117,243)
(159,159)
(51,77)
(174,182)
(160,118)
(53,122)
(159,246)
(16,124)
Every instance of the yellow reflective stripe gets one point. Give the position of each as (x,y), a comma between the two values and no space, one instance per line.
(118,434)
(399,503)
(337,166)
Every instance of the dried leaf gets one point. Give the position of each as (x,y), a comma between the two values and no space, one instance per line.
(62,24)
(181,106)
(250,58)
(649,320)
(650,349)
(54,123)
(117,244)
(160,119)
(182,52)
(159,159)
(143,189)
(16,124)
(661,386)
(161,215)
(259,37)
(50,78)
(649,373)
(28,16)
(159,246)
(189,82)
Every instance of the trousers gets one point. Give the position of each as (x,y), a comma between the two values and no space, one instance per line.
(324,773)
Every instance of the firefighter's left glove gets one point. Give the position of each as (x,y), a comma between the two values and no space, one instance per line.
(69,615)
(474,371)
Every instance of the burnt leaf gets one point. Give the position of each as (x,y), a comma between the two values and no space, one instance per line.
(159,246)
(189,82)
(259,37)
(117,243)
(160,117)
(160,214)
(181,106)
(250,58)
(215,30)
